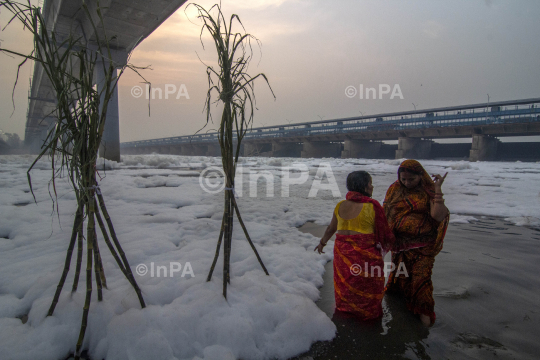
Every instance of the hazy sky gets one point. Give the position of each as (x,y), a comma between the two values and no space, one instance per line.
(440,53)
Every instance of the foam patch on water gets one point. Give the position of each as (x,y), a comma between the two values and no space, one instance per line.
(461,219)
(524,221)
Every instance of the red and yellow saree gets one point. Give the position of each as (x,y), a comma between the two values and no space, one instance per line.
(358,264)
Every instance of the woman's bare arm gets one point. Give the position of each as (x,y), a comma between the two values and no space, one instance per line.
(329,232)
(438,210)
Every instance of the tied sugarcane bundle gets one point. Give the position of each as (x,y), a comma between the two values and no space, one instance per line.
(235,92)
(72,64)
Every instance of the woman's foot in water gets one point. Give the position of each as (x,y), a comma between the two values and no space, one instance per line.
(425,320)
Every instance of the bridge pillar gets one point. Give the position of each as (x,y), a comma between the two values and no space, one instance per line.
(35,144)
(110,142)
(484,148)
(320,149)
(282,149)
(413,148)
(250,149)
(213,150)
(199,150)
(186,149)
(258,149)
(361,149)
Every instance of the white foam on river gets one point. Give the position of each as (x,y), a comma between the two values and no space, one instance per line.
(162,215)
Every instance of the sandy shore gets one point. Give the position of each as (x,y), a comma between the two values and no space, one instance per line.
(487,295)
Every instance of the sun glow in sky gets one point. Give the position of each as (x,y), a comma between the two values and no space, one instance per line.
(439,53)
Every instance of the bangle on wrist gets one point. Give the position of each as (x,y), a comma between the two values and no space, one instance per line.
(323,244)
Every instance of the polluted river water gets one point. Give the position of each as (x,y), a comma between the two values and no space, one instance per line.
(487,302)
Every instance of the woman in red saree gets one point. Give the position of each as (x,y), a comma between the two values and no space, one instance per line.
(363,238)
(418,217)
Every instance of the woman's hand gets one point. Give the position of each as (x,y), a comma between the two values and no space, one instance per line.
(438,181)
(328,233)
(438,210)
(320,248)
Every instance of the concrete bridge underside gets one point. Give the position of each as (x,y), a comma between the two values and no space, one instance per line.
(127,23)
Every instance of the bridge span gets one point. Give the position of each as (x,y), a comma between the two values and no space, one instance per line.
(363,136)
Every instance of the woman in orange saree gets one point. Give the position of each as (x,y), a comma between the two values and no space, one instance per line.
(363,237)
(418,217)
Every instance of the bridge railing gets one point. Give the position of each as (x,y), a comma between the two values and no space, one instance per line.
(468,117)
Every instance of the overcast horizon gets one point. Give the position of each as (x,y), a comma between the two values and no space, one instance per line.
(438,54)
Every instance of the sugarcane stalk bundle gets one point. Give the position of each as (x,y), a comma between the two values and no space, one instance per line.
(72,63)
(234,89)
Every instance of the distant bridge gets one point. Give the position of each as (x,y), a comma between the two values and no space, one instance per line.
(362,136)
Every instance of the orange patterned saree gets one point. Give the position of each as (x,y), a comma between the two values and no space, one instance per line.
(419,238)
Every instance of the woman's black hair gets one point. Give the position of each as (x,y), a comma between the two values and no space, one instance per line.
(407,170)
(358,181)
